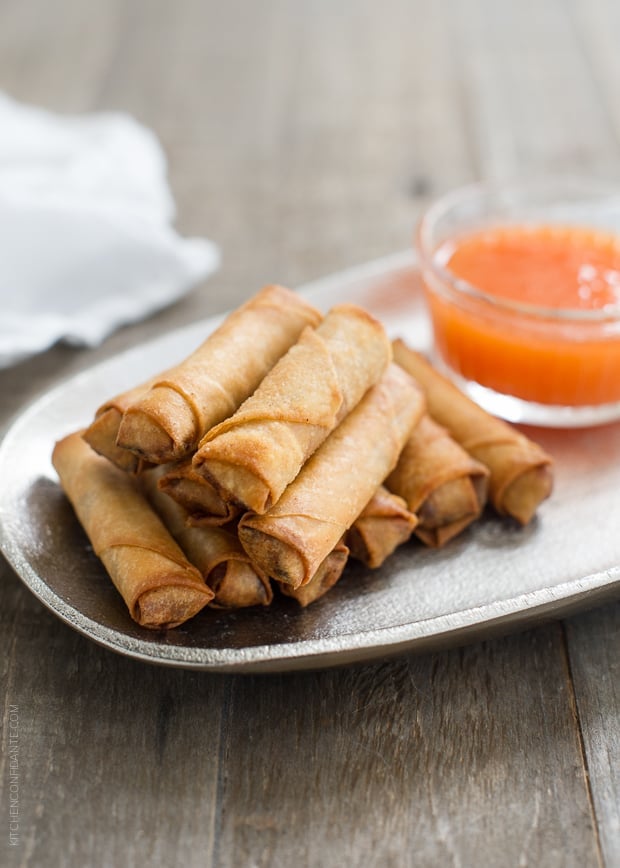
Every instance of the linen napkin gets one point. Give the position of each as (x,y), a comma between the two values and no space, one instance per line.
(86,236)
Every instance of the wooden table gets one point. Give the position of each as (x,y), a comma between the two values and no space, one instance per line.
(304,137)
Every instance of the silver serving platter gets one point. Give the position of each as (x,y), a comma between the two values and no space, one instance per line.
(493,578)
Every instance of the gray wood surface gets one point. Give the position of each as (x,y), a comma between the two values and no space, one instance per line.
(303,136)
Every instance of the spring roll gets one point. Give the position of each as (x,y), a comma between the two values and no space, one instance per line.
(520,470)
(383,525)
(168,421)
(102,433)
(215,551)
(204,505)
(252,456)
(159,585)
(325,578)
(440,482)
(291,540)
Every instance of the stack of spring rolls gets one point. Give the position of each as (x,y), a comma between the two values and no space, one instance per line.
(285,444)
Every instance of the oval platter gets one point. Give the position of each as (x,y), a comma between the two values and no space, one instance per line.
(494,578)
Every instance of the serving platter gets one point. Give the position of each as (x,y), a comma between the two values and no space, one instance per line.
(493,578)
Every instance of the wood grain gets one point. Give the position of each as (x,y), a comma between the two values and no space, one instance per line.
(594,654)
(304,137)
(421,761)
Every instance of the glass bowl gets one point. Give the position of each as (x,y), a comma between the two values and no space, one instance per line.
(527,359)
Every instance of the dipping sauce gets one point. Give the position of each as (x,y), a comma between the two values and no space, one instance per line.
(539,318)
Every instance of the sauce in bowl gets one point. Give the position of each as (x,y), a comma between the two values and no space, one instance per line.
(529,311)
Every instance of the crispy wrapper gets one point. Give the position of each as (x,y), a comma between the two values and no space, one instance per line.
(102,433)
(440,482)
(383,525)
(521,476)
(168,421)
(215,551)
(204,505)
(159,585)
(292,539)
(252,456)
(325,578)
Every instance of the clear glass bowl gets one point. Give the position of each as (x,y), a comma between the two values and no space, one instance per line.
(502,351)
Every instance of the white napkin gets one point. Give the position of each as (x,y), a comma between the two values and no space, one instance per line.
(86,242)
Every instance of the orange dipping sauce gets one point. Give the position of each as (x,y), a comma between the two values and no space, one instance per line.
(540,317)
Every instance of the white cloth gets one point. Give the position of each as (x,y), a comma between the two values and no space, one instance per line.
(86,241)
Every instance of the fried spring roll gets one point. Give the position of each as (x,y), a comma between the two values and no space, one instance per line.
(290,541)
(204,505)
(159,585)
(101,434)
(168,421)
(215,551)
(440,482)
(520,470)
(255,453)
(383,525)
(325,578)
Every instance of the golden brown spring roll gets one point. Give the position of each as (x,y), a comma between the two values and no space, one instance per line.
(383,525)
(167,422)
(159,585)
(204,505)
(101,434)
(440,482)
(291,540)
(521,476)
(215,551)
(325,578)
(255,453)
